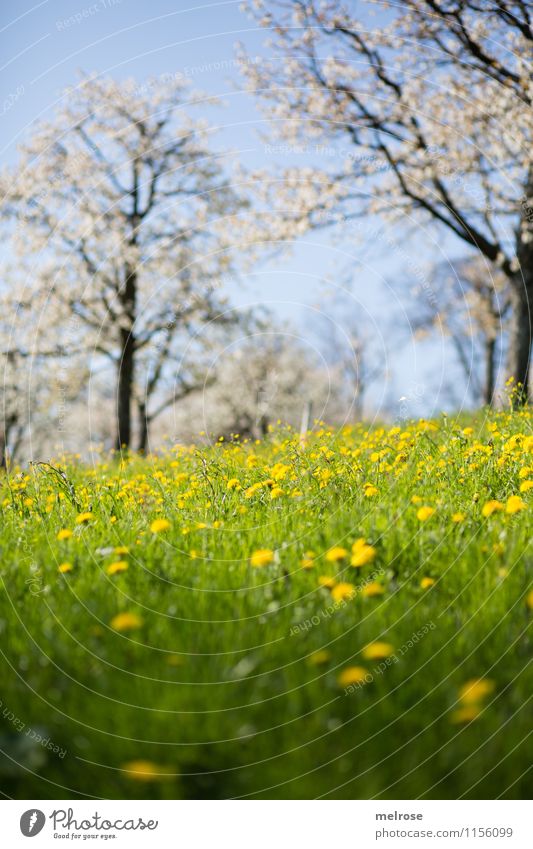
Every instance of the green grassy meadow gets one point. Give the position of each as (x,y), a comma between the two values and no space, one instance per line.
(343,618)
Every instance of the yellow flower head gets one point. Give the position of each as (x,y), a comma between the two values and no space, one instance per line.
(159,525)
(342,591)
(143,771)
(319,658)
(118,566)
(352,675)
(327,582)
(362,553)
(424,513)
(83,518)
(426,583)
(65,533)
(262,557)
(491,507)
(475,690)
(458,517)
(515,504)
(65,567)
(372,589)
(525,486)
(335,554)
(276,492)
(377,651)
(126,622)
(370,490)
(465,714)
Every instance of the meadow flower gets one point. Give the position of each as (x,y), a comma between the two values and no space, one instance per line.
(65,533)
(362,553)
(426,583)
(342,591)
(262,557)
(83,518)
(233,483)
(525,486)
(335,554)
(515,504)
(424,513)
(276,492)
(372,589)
(126,622)
(370,490)
(377,651)
(159,525)
(308,561)
(327,582)
(144,771)
(352,675)
(319,658)
(118,566)
(458,517)
(121,549)
(65,567)
(492,507)
(465,714)
(475,690)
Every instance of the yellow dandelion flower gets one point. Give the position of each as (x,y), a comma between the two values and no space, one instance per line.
(465,714)
(327,582)
(121,549)
(515,504)
(159,525)
(525,486)
(335,554)
(233,483)
(377,651)
(363,554)
(126,622)
(372,589)
(458,517)
(83,518)
(426,583)
(65,567)
(262,557)
(352,675)
(476,689)
(424,513)
(143,771)
(319,658)
(65,533)
(342,591)
(370,490)
(491,507)
(276,492)
(118,566)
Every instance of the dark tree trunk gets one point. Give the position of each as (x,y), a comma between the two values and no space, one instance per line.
(126,364)
(521,326)
(520,331)
(490,371)
(125,390)
(144,426)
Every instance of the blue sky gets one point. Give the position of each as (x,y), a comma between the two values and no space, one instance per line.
(45,44)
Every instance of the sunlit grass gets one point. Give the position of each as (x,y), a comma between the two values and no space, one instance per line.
(344,617)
